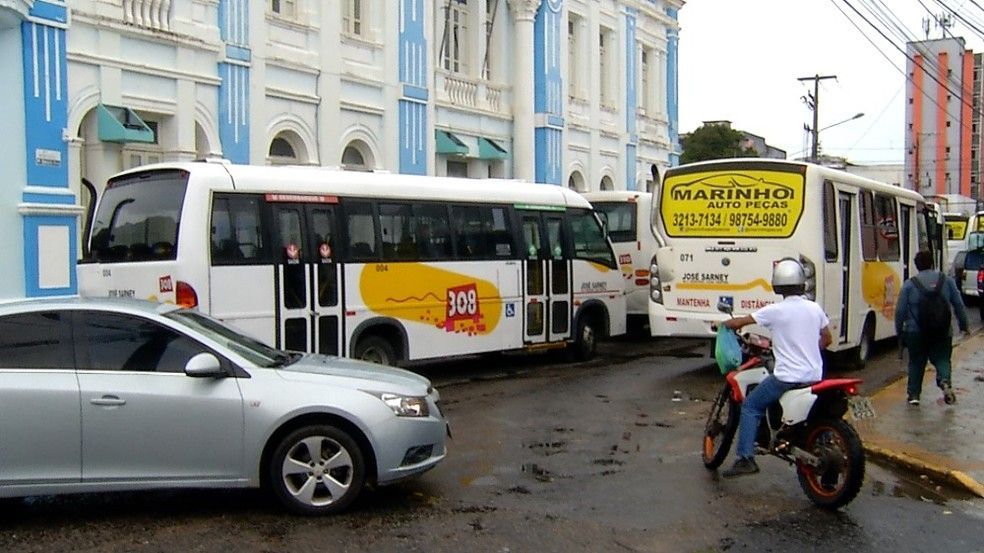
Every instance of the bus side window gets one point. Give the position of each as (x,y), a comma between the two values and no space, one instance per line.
(830,251)
(236,236)
(869,230)
(360,230)
(888,227)
(433,237)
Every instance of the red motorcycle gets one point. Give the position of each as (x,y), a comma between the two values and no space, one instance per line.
(805,428)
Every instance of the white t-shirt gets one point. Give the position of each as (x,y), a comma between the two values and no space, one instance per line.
(795,323)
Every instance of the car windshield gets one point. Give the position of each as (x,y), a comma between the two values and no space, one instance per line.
(253,350)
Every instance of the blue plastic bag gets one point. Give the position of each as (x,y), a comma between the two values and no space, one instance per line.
(727,351)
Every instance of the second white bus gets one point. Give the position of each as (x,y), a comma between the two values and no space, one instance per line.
(627,215)
(388,268)
(727,222)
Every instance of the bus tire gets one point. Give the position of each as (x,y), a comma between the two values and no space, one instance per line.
(376,349)
(860,354)
(585,344)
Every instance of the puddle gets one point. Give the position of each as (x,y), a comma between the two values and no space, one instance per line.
(549,448)
(915,486)
(539,473)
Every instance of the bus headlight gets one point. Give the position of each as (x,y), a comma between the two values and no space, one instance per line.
(656,295)
(655,283)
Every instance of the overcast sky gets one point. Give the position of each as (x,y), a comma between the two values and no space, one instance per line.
(740,60)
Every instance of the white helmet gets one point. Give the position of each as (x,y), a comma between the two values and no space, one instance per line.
(788,272)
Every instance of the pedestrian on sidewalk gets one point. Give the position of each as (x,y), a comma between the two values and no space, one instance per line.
(923,322)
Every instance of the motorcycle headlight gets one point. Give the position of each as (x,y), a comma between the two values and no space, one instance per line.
(404,406)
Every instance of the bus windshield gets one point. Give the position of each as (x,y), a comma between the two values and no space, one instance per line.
(138,217)
(620,218)
(956,227)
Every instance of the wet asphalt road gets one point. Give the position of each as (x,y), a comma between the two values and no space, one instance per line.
(546,456)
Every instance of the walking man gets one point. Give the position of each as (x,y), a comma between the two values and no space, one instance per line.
(923,321)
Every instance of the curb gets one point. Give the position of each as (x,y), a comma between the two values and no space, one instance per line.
(953,477)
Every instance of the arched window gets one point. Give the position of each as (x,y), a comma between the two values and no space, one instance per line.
(576,181)
(281,148)
(606,183)
(287,148)
(352,159)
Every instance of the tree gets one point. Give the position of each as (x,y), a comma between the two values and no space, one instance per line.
(712,141)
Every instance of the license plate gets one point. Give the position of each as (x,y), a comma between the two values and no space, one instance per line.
(861,408)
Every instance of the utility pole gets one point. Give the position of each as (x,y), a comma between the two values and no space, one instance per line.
(813,101)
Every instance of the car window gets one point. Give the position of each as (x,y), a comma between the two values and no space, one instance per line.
(974,260)
(36,341)
(116,342)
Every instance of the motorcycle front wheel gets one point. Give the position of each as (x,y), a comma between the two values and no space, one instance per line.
(719,431)
(837,479)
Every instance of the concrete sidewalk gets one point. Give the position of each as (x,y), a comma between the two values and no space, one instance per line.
(945,442)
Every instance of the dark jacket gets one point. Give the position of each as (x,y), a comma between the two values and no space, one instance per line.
(907,308)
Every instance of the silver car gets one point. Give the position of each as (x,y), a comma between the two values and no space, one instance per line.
(100,395)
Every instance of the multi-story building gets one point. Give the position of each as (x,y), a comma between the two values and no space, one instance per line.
(474,88)
(943,118)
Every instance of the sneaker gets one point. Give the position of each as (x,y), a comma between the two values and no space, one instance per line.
(914,401)
(948,396)
(742,466)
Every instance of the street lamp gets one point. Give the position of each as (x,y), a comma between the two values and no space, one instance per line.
(851,118)
(815,153)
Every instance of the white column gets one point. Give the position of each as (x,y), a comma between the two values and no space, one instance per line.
(523,154)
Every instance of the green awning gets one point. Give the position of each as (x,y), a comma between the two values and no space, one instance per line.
(449,144)
(490,149)
(120,124)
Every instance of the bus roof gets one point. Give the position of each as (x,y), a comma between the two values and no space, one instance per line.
(614,195)
(764,163)
(321,180)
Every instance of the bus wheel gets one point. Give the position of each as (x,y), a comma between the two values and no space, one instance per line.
(585,344)
(376,349)
(861,353)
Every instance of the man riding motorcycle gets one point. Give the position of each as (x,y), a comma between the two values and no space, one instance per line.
(799,332)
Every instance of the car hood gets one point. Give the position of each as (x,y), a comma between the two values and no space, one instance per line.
(365,373)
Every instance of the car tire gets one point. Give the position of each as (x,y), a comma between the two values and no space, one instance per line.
(317,470)
(377,349)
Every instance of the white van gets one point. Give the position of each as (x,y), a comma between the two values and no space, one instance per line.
(627,216)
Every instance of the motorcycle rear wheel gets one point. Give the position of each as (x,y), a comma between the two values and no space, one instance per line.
(837,481)
(719,431)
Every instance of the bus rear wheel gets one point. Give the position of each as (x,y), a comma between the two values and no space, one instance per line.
(376,349)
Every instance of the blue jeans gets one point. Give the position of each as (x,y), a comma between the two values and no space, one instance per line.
(758,400)
(921,350)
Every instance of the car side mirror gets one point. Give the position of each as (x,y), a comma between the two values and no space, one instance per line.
(204,365)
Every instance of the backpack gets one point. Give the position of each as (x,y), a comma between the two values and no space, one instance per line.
(934,311)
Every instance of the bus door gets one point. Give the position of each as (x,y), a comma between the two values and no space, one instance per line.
(546,283)
(848,233)
(307,274)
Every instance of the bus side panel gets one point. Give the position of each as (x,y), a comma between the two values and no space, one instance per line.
(244,297)
(449,308)
(595,281)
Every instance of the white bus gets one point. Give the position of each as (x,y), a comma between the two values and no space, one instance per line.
(727,222)
(389,268)
(627,217)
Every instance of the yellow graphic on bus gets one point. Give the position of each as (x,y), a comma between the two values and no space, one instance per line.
(734,203)
(414,292)
(880,286)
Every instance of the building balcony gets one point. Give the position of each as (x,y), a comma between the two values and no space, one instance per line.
(470,93)
(154,15)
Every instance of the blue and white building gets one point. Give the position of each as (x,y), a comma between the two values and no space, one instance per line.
(579,93)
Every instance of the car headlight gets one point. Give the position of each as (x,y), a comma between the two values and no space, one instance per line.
(404,406)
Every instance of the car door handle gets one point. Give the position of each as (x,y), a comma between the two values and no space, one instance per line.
(108,401)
